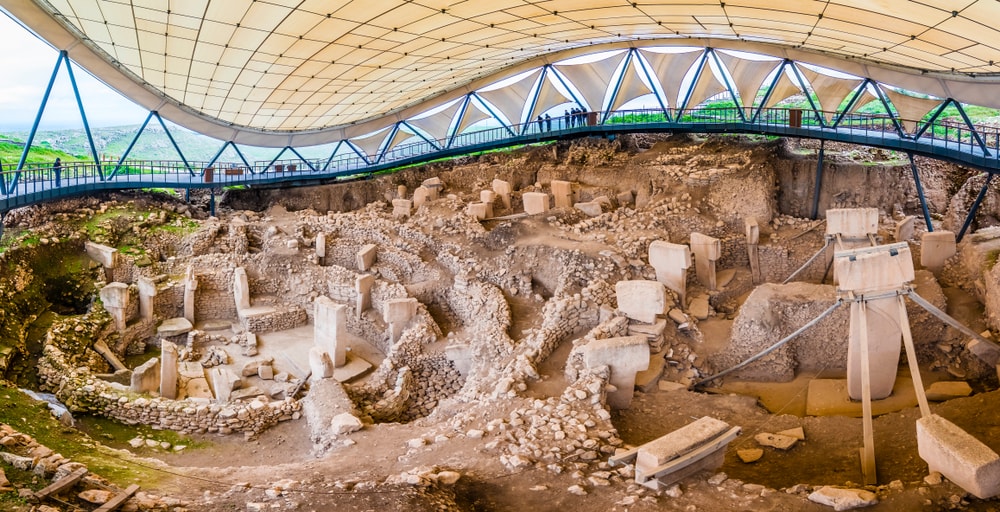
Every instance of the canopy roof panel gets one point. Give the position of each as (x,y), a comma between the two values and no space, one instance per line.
(279,67)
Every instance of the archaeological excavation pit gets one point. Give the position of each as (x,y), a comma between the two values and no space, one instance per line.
(521,329)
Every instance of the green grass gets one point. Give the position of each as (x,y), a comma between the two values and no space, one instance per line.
(10,154)
(33,418)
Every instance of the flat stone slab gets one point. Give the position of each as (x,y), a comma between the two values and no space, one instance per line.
(679,442)
(843,499)
(775,440)
(750,455)
(216,325)
(944,390)
(354,368)
(699,307)
(174,327)
(828,397)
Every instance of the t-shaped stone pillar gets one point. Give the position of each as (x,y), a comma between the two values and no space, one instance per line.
(241,289)
(397,314)
(147,293)
(753,239)
(641,300)
(563,193)
(321,248)
(671,262)
(935,249)
(366,256)
(868,271)
(168,370)
(190,289)
(503,189)
(625,356)
(330,328)
(115,299)
(707,251)
(363,289)
(401,208)
(421,195)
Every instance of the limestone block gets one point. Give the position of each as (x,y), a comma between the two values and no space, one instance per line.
(168,370)
(345,423)
(871,269)
(843,499)
(625,356)
(641,300)
(174,327)
(146,377)
(265,372)
(401,208)
(320,245)
(503,189)
(677,443)
(461,356)
(399,310)
(363,288)
(954,453)
(752,230)
(241,289)
(904,229)
(625,198)
(884,342)
(707,250)
(320,363)
(935,249)
(190,291)
(535,202)
(366,257)
(106,256)
(590,209)
(562,191)
(852,222)
(947,390)
(420,196)
(480,211)
(147,290)
(115,299)
(671,262)
(330,328)
(487,196)
(224,382)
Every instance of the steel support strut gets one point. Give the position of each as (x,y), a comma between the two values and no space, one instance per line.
(83,115)
(34,126)
(819,180)
(920,194)
(975,206)
(131,145)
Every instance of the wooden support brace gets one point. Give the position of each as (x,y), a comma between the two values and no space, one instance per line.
(868,450)
(119,499)
(62,484)
(911,359)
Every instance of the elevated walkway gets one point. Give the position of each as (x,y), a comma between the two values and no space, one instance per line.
(975,147)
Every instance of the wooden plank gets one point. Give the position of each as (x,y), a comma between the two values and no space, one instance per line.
(119,499)
(62,484)
(911,359)
(868,450)
(624,457)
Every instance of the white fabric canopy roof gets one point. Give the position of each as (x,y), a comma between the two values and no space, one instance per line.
(299,72)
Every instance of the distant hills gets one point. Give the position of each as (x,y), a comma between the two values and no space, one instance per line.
(153,144)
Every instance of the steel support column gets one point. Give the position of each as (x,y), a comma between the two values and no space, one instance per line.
(618,86)
(83,115)
(332,154)
(211,202)
(458,123)
(730,88)
(652,84)
(38,119)
(534,97)
(972,127)
(819,180)
(975,207)
(307,162)
(174,142)
(130,146)
(770,90)
(920,194)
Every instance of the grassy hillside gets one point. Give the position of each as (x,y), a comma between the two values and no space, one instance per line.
(10,153)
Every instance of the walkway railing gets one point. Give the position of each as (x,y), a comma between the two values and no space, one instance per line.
(975,147)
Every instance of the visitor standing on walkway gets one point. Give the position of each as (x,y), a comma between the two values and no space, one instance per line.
(548,123)
(565,119)
(57,168)
(541,123)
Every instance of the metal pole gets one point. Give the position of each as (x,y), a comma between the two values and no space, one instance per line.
(975,133)
(307,162)
(422,136)
(386,142)
(83,115)
(38,119)
(770,90)
(538,92)
(729,86)
(847,108)
(333,154)
(211,202)
(618,85)
(691,86)
(172,141)
(461,114)
(975,206)
(920,194)
(819,179)
(130,146)
(652,84)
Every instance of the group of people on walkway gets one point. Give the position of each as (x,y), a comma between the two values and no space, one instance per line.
(571,118)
